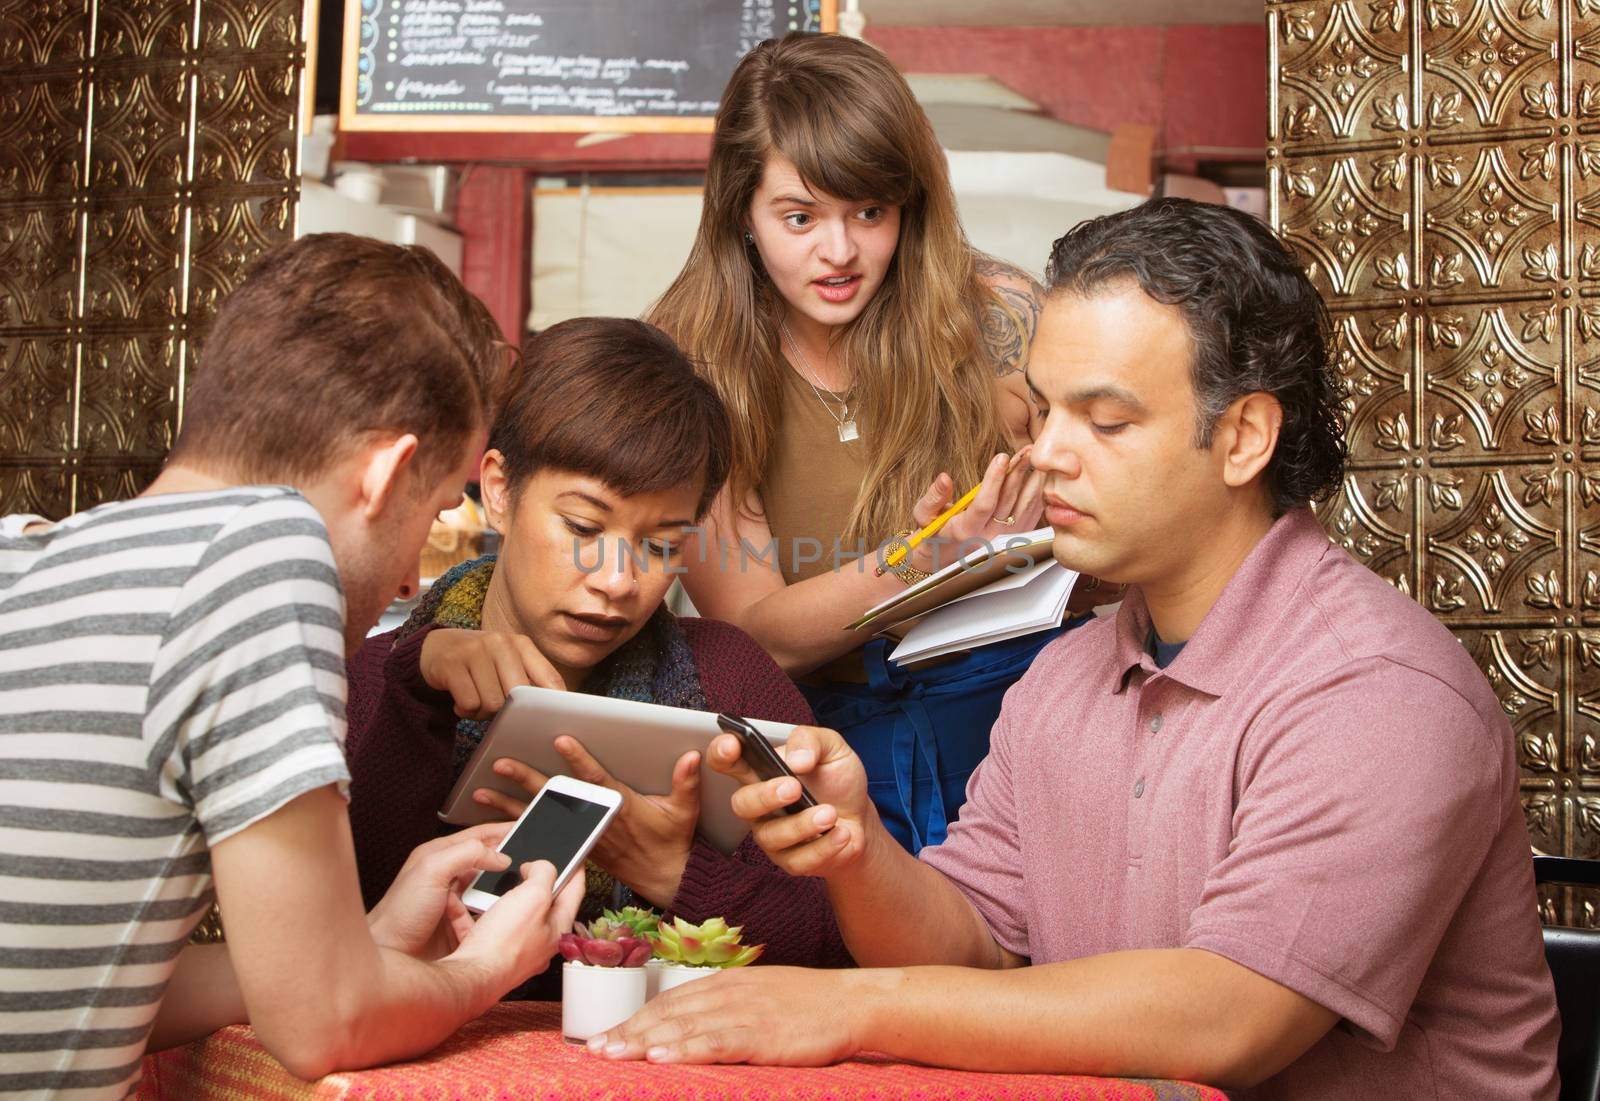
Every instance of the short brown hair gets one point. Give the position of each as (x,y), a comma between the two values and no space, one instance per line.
(332,338)
(615,399)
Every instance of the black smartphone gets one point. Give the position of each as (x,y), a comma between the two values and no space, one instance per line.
(763,759)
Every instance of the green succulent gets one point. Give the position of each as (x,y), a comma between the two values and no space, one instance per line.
(712,943)
(641,919)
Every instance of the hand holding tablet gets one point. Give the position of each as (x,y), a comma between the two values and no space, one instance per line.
(648,843)
(640,745)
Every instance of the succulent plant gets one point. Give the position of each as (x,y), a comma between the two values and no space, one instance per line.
(641,919)
(607,941)
(712,943)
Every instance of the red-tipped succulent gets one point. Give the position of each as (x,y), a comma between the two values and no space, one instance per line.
(607,941)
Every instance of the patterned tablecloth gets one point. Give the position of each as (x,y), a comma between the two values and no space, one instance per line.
(516,1051)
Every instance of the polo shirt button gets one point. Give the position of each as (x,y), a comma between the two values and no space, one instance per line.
(1155,724)
(1138,789)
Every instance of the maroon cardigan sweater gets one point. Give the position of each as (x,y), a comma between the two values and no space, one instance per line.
(399,747)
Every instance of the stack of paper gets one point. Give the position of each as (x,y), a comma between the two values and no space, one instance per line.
(992,594)
(1020,604)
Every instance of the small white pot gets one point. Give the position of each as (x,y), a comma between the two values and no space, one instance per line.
(594,999)
(669,975)
(652,977)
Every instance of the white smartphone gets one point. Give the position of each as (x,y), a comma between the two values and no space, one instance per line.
(561,825)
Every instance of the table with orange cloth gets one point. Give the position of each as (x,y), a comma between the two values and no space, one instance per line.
(516,1051)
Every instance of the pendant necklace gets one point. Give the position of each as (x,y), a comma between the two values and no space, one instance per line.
(846,422)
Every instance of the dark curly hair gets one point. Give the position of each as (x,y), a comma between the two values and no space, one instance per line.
(1257,323)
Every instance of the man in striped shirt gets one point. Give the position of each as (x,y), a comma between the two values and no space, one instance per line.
(172,703)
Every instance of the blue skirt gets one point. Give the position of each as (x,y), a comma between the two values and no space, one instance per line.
(920,733)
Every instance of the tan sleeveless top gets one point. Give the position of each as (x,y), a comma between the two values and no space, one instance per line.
(811,484)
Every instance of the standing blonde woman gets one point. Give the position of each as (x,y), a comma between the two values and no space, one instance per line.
(871,362)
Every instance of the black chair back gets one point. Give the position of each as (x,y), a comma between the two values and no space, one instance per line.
(1574,958)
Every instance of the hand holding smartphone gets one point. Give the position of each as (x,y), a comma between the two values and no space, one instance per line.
(763,760)
(561,825)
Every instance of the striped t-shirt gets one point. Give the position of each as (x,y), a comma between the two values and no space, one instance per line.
(171,671)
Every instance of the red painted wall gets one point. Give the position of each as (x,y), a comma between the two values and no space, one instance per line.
(1214,89)
(1199,86)
(496,219)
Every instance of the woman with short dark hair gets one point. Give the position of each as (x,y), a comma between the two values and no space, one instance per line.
(608,440)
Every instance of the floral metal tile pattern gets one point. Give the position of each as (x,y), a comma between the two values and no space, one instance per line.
(147,155)
(1438,162)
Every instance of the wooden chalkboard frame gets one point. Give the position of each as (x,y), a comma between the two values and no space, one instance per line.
(432,122)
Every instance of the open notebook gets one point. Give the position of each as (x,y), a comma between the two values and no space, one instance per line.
(990,595)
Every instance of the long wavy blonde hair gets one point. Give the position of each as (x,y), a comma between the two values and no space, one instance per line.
(840,112)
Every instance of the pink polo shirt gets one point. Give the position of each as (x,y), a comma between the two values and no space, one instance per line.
(1321,787)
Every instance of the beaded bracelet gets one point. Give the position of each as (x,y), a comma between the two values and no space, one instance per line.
(905,571)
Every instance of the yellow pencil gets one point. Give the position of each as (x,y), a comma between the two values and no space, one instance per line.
(896,556)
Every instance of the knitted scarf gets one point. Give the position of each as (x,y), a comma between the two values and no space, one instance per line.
(654,666)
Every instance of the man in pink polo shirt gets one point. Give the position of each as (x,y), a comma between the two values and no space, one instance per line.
(1259,829)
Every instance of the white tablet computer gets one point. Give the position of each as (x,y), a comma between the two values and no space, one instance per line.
(638,743)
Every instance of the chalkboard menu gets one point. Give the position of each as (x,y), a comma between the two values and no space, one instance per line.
(625,65)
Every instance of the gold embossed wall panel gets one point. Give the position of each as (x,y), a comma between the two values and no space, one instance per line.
(1438,162)
(147,155)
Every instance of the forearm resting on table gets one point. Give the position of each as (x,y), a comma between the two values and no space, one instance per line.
(365,1016)
(368,1007)
(1159,1013)
(321,994)
(202,996)
(883,927)
(404,1010)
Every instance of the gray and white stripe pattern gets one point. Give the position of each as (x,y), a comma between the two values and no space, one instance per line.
(171,671)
